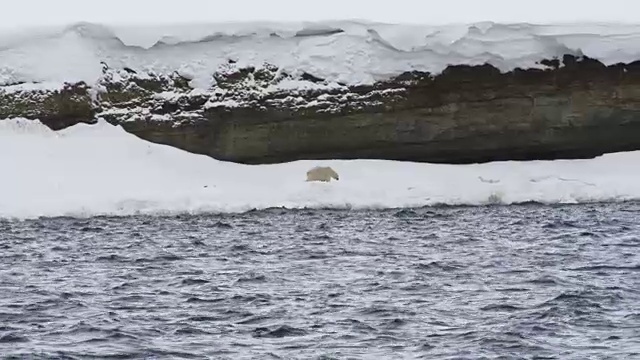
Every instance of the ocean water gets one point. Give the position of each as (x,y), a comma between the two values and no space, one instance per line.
(495,282)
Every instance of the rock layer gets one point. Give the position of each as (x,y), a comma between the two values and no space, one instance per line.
(569,108)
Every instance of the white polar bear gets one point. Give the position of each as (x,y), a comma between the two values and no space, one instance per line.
(322,173)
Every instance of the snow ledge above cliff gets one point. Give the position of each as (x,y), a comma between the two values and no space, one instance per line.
(345,52)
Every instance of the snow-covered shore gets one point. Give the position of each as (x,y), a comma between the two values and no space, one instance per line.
(102,170)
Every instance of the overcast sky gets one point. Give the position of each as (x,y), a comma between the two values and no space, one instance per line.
(47,12)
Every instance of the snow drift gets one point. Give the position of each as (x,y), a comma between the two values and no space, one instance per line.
(348,52)
(101,169)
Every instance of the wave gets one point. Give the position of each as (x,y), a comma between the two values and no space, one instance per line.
(101,169)
(348,52)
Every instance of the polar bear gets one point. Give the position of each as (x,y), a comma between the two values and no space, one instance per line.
(322,173)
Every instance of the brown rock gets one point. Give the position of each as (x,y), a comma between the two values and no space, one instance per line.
(57,109)
(574,108)
(466,114)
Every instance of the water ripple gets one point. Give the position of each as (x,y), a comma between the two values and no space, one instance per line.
(529,281)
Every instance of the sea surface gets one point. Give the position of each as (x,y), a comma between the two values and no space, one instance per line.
(495,282)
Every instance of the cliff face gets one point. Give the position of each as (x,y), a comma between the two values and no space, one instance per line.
(57,109)
(574,108)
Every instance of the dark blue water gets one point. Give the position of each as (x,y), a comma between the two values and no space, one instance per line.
(513,282)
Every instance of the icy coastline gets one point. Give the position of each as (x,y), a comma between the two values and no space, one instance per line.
(348,90)
(101,169)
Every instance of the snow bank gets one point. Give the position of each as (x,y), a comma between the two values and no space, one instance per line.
(101,169)
(340,51)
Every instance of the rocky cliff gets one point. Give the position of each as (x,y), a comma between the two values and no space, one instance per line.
(569,108)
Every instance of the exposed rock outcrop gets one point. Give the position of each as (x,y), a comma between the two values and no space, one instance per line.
(570,108)
(58,109)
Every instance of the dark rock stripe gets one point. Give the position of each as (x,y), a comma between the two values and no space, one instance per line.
(574,108)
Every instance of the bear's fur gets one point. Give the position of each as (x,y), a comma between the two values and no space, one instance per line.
(322,173)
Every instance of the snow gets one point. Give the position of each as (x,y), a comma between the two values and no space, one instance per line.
(30,87)
(100,169)
(361,53)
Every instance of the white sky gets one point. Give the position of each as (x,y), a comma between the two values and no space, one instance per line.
(18,13)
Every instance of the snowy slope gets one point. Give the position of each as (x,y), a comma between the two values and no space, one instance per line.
(100,169)
(341,51)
